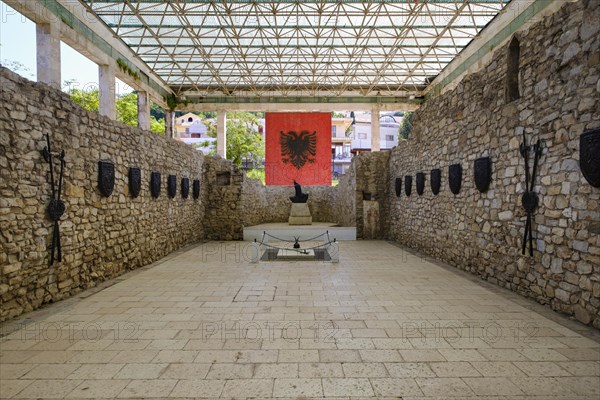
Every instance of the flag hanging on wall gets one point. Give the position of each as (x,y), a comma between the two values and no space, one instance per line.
(298,147)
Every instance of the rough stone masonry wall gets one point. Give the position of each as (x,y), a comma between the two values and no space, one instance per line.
(101,237)
(265,204)
(482,233)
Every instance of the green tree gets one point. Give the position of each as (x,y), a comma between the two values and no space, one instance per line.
(126,106)
(406,126)
(243,140)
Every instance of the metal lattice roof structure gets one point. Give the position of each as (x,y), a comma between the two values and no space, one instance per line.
(389,48)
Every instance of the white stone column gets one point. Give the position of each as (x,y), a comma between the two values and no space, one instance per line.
(143,110)
(222,134)
(48,54)
(108,102)
(375,131)
(169,124)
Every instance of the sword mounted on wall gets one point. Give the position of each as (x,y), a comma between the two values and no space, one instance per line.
(56,207)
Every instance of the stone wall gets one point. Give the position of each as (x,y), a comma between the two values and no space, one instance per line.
(101,237)
(222,198)
(370,175)
(265,204)
(482,232)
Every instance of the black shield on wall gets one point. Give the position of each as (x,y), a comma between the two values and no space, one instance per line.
(483,173)
(435,180)
(420,183)
(106,177)
(589,156)
(455,177)
(408,185)
(135,181)
(398,186)
(196,188)
(155,184)
(172,185)
(185,187)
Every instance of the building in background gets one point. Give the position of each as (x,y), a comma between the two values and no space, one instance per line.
(341,145)
(389,125)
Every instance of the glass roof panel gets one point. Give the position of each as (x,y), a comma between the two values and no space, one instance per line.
(266,47)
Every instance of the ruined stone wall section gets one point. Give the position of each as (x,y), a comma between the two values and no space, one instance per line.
(482,232)
(101,237)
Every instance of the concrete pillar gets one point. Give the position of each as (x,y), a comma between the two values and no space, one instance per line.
(108,102)
(170,124)
(222,134)
(143,110)
(375,131)
(48,54)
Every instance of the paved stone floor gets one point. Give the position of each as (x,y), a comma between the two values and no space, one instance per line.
(381,323)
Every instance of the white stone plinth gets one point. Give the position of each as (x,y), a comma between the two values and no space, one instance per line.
(300,214)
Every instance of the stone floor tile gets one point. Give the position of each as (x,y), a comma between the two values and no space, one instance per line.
(339,356)
(421,355)
(395,387)
(409,370)
(134,356)
(355,343)
(541,368)
(231,371)
(278,370)
(15,371)
(47,388)
(355,387)
(141,371)
(186,371)
(581,354)
(581,368)
(10,387)
(389,355)
(321,370)
(175,356)
(50,371)
(256,356)
(217,356)
(542,386)
(364,370)
(542,355)
(299,356)
(298,388)
(98,388)
(248,388)
(462,355)
(582,385)
(453,369)
(148,388)
(444,387)
(497,368)
(492,386)
(93,357)
(96,371)
(51,357)
(502,355)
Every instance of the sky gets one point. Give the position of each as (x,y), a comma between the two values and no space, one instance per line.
(17,45)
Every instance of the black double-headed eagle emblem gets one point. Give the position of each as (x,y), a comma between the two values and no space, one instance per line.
(298,149)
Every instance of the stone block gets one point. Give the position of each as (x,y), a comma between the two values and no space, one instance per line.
(300,214)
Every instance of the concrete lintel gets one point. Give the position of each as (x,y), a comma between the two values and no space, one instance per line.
(299,107)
